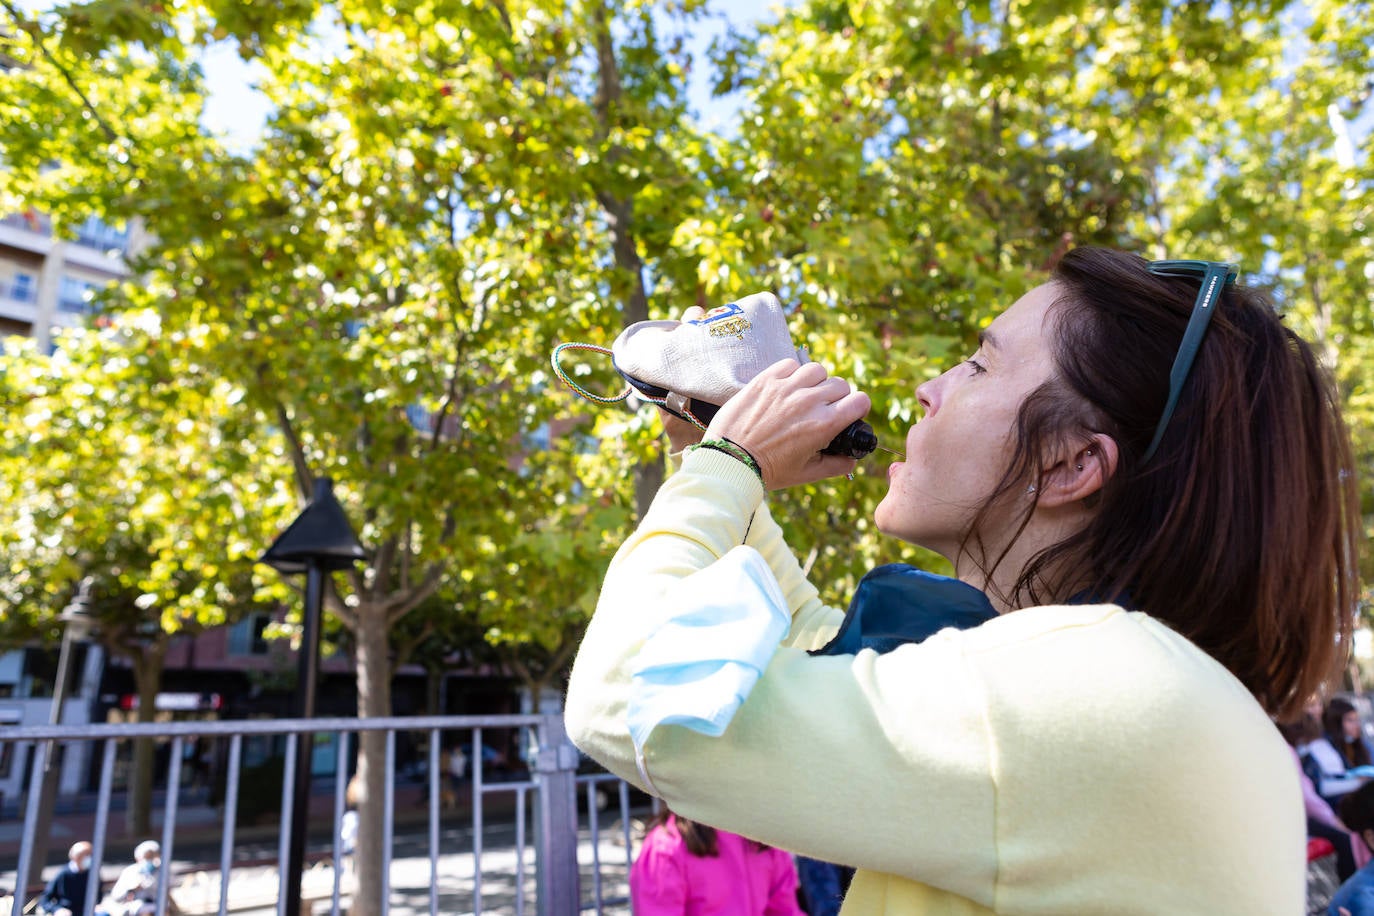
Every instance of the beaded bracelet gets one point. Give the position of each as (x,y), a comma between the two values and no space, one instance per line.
(733,449)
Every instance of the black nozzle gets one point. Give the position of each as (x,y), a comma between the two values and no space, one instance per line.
(855,441)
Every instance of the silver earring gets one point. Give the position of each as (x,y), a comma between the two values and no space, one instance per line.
(1080,467)
(1030,489)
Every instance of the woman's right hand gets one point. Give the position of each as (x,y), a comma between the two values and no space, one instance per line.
(785,416)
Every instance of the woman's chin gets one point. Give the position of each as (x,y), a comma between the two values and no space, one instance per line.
(888,520)
(881,518)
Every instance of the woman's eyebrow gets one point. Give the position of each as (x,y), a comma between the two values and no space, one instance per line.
(987,339)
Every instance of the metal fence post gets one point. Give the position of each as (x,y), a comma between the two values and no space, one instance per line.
(555,768)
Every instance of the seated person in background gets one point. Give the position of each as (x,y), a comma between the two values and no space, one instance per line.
(685,868)
(65,894)
(1322,822)
(1356,896)
(1329,757)
(1345,730)
(135,891)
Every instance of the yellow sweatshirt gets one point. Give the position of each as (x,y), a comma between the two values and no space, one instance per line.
(1056,760)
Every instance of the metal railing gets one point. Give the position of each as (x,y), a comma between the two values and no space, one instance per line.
(552,783)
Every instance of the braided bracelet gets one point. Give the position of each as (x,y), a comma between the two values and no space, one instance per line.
(733,449)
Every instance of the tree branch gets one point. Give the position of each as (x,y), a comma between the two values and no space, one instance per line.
(407,648)
(334,601)
(403,604)
(381,567)
(36,34)
(305,481)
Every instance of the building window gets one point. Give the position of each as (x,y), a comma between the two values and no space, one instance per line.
(24,287)
(74,295)
(96,234)
(246,636)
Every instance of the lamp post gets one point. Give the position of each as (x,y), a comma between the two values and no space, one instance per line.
(318,542)
(76,624)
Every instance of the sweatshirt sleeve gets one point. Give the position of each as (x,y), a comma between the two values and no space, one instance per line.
(819,743)
(813,622)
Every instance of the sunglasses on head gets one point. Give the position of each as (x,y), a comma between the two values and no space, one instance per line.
(1213,276)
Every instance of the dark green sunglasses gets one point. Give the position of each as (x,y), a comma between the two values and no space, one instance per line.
(1214,276)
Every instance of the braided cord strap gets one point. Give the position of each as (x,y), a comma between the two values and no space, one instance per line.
(576,388)
(581,392)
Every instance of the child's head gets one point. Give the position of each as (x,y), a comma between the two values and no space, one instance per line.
(700,839)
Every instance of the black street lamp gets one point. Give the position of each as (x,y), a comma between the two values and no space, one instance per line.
(318,542)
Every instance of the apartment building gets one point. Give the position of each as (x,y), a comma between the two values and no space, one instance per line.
(46,283)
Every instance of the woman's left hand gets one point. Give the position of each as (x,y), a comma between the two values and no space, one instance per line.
(785,416)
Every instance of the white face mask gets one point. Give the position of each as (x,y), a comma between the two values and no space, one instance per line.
(83,863)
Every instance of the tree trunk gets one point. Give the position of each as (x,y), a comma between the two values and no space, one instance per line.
(620,219)
(374,700)
(148,681)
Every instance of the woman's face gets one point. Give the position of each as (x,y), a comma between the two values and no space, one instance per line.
(958,452)
(1350,724)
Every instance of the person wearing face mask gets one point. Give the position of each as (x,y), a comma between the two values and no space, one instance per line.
(65,894)
(1145,489)
(135,891)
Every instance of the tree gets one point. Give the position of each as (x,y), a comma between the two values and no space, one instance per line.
(384,276)
(149,483)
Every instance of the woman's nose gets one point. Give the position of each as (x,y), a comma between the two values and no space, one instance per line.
(928,395)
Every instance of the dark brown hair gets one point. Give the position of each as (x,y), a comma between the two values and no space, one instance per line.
(699,839)
(1303,730)
(1357,809)
(1241,530)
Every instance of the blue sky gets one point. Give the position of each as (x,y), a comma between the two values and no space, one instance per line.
(237,111)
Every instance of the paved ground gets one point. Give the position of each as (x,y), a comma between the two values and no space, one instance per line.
(253,889)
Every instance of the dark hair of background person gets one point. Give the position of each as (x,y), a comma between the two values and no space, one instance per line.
(1302,730)
(1354,753)
(1357,810)
(699,839)
(1241,531)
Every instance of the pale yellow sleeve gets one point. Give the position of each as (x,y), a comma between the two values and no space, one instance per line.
(814,622)
(834,757)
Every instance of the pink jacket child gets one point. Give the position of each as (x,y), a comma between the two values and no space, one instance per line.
(689,869)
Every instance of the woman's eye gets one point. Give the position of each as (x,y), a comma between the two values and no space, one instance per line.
(978,368)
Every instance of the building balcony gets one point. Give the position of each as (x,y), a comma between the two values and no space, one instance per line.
(25,310)
(96,246)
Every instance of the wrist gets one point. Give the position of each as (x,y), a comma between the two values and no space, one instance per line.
(733,449)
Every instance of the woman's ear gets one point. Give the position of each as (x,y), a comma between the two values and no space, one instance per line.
(1080,473)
